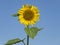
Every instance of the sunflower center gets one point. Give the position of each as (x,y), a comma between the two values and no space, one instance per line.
(28,15)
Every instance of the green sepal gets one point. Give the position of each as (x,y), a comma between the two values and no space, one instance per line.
(32,32)
(15,15)
(13,41)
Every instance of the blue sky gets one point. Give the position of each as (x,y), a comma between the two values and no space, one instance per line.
(10,27)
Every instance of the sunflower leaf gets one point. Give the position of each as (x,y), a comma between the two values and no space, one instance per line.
(13,41)
(32,32)
(40,29)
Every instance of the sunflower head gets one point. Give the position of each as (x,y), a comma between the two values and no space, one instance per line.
(28,15)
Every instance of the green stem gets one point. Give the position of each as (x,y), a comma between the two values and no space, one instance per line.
(27,40)
(27,37)
(23,42)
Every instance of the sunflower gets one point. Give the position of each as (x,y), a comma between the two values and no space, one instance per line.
(28,15)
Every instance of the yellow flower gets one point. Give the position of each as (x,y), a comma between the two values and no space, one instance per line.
(28,15)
